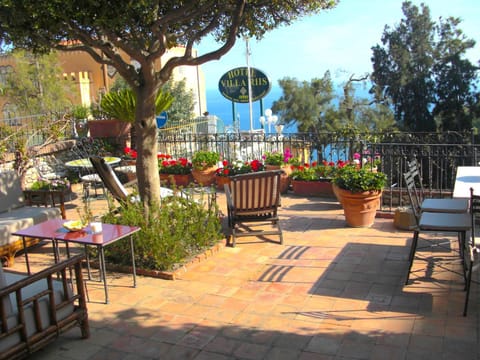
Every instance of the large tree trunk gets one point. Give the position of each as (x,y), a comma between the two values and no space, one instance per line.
(146,141)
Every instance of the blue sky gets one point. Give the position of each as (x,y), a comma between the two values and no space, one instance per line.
(338,40)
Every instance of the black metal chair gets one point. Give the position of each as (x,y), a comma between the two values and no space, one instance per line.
(253,199)
(472,253)
(459,223)
(436,205)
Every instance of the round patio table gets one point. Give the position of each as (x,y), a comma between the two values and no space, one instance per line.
(90,180)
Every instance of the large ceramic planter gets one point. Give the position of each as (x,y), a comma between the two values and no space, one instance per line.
(221,181)
(284,177)
(312,188)
(205,177)
(359,208)
(335,189)
(116,130)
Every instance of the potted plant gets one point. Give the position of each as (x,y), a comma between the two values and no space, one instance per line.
(276,160)
(130,156)
(312,179)
(118,114)
(235,168)
(174,171)
(223,173)
(205,163)
(80,115)
(359,191)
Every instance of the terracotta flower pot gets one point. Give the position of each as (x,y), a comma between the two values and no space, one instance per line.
(175,179)
(359,208)
(205,177)
(312,188)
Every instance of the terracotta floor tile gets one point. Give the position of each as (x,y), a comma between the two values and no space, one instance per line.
(329,292)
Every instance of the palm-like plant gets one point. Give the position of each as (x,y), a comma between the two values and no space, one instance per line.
(121,104)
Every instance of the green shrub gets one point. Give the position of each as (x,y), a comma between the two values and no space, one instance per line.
(351,178)
(204,159)
(170,235)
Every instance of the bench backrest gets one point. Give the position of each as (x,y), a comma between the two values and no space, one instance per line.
(11,194)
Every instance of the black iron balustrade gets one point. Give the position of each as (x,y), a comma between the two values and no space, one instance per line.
(438,154)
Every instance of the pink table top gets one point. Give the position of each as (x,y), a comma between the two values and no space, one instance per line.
(54,230)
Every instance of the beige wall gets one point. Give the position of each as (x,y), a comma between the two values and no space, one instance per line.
(93,79)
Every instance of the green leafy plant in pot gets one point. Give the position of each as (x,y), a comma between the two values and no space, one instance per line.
(205,164)
(359,191)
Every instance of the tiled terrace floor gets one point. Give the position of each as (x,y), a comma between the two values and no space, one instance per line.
(330,292)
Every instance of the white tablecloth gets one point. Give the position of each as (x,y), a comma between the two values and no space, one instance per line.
(467,177)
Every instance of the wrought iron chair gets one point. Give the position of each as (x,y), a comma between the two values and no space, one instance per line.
(442,205)
(471,252)
(83,149)
(459,223)
(253,199)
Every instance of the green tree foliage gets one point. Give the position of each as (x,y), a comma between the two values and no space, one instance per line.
(143,31)
(307,104)
(315,107)
(421,73)
(183,103)
(35,86)
(456,79)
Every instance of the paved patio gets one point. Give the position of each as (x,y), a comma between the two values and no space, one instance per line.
(329,292)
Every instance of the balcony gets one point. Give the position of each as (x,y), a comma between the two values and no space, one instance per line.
(329,292)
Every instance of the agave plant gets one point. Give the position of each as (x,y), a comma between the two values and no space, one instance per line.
(121,104)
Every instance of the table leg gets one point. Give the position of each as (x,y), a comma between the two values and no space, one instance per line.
(87,258)
(133,262)
(26,255)
(103,271)
(56,255)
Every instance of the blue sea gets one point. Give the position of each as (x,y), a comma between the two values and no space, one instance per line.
(222,108)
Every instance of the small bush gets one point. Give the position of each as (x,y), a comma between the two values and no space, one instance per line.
(170,235)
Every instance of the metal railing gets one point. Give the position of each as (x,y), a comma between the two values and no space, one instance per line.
(438,154)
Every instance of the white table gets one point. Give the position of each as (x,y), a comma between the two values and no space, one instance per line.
(467,177)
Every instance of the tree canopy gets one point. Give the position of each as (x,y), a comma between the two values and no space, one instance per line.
(421,72)
(132,36)
(316,107)
(35,87)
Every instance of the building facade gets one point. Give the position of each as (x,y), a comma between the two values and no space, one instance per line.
(92,79)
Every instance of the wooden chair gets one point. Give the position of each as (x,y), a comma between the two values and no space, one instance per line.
(253,199)
(436,222)
(445,205)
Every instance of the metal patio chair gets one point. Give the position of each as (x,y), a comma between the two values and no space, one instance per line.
(439,222)
(253,200)
(472,252)
(435,205)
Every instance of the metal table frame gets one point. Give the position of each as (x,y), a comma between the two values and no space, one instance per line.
(54,231)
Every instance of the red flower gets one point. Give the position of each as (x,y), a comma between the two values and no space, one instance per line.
(130,152)
(256,165)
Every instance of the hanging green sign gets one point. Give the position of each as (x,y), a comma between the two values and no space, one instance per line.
(233,85)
